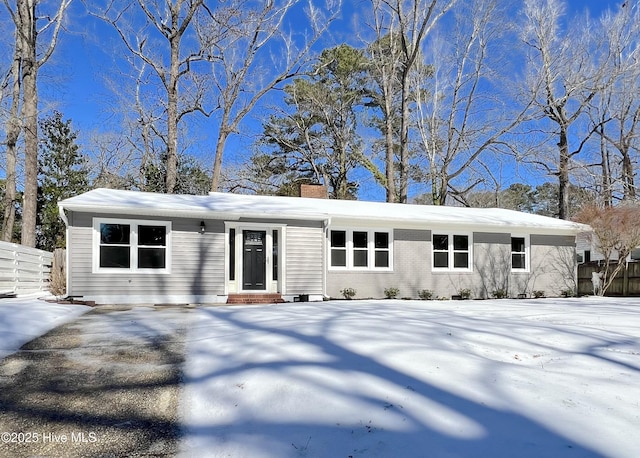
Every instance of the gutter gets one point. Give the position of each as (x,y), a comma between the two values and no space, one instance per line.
(325,265)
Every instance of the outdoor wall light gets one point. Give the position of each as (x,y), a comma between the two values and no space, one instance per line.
(202,227)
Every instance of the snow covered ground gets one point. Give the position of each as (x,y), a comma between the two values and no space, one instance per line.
(504,378)
(23,319)
(499,378)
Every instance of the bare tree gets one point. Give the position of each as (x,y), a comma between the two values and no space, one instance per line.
(30,54)
(562,80)
(13,129)
(462,114)
(168,20)
(616,113)
(386,72)
(251,54)
(411,21)
(616,233)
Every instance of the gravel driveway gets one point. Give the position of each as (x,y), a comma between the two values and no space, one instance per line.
(104,385)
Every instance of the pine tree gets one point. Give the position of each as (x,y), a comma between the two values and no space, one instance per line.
(62,173)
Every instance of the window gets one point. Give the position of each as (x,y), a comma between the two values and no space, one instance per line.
(339,248)
(232,254)
(131,245)
(381,249)
(360,249)
(115,245)
(451,252)
(519,253)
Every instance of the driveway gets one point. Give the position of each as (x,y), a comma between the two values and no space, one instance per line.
(103,385)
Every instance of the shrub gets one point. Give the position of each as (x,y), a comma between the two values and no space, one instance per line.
(348,293)
(465,293)
(391,293)
(567,293)
(538,294)
(425,294)
(499,294)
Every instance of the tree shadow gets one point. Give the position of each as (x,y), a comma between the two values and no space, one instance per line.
(107,383)
(374,407)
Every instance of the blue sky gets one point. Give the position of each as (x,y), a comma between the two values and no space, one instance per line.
(84,55)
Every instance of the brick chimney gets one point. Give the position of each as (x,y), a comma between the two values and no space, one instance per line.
(316,191)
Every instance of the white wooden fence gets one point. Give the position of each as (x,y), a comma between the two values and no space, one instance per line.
(23,270)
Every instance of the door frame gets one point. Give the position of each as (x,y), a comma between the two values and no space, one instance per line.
(272,285)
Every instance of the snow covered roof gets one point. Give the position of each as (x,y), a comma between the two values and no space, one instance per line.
(234,206)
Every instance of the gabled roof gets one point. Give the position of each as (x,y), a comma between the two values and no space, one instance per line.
(234,206)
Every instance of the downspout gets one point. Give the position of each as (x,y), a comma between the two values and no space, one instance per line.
(325,256)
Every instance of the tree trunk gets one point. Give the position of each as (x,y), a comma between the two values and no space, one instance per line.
(607,188)
(13,132)
(27,11)
(390,166)
(627,176)
(404,138)
(217,162)
(172,115)
(563,175)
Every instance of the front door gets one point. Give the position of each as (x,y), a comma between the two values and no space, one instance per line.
(254,262)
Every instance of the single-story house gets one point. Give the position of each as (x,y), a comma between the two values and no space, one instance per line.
(137,247)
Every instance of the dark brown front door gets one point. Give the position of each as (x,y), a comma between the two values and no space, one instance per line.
(254,263)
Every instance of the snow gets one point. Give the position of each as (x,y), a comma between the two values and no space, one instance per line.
(25,318)
(499,378)
(227,205)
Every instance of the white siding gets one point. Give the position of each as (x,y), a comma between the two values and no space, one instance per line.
(305,260)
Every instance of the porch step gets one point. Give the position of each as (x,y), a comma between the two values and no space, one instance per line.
(257,298)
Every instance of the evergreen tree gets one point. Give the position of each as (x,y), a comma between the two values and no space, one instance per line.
(62,174)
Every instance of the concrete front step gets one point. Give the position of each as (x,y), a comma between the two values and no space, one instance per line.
(257,298)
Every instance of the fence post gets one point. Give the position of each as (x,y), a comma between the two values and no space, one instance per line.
(625,279)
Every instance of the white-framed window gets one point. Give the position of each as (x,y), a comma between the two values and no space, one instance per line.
(360,249)
(452,251)
(520,253)
(122,245)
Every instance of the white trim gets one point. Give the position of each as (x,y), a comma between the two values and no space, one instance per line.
(133,244)
(451,252)
(350,250)
(271,285)
(527,253)
(155,299)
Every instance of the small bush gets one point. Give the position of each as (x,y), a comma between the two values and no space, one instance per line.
(499,294)
(425,294)
(567,293)
(538,294)
(391,293)
(465,293)
(348,293)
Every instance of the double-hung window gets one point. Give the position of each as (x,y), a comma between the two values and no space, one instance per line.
(519,254)
(452,252)
(360,249)
(131,245)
